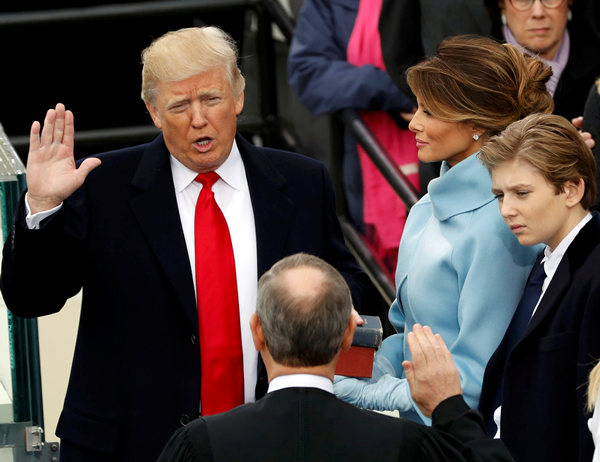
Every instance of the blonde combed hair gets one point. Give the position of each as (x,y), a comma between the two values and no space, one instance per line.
(183,53)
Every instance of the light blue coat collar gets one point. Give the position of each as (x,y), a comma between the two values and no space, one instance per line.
(466,186)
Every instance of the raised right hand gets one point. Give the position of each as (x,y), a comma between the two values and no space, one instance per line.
(432,374)
(51,172)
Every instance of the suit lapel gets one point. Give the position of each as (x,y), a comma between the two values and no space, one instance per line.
(272,207)
(573,258)
(155,208)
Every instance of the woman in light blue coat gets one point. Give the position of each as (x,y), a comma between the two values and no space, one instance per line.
(460,269)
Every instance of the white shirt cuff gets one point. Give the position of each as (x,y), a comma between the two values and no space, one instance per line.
(33,221)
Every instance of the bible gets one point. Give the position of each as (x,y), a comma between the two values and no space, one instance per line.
(358,360)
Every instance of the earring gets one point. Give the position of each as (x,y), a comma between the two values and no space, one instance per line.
(569,14)
(503,19)
(475,136)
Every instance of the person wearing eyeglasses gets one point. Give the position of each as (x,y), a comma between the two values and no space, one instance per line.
(560,32)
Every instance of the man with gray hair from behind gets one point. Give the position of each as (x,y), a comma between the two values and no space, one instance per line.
(303,320)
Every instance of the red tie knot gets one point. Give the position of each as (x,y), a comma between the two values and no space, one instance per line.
(207,179)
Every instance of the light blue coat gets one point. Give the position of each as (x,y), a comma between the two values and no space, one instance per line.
(461,271)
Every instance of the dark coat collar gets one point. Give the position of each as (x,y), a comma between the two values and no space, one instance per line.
(155,208)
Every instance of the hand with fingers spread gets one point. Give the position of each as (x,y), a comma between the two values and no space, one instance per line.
(432,374)
(52,175)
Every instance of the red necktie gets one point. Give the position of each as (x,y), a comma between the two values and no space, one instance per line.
(222,381)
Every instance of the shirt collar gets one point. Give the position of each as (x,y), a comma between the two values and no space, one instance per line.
(231,171)
(552,259)
(301,380)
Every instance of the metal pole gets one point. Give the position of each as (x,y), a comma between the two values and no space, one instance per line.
(380,157)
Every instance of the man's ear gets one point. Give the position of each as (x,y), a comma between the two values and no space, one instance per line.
(349,334)
(258,336)
(574,192)
(154,115)
(239,104)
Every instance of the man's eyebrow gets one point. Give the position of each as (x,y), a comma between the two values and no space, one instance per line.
(518,186)
(177,100)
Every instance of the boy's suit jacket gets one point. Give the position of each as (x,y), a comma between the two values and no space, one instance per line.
(544,393)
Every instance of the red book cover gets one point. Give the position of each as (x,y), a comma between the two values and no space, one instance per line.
(356,362)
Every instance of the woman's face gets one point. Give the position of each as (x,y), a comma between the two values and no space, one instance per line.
(438,140)
(530,205)
(539,29)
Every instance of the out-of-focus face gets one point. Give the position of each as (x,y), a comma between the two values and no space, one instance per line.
(530,206)
(539,28)
(438,140)
(198,118)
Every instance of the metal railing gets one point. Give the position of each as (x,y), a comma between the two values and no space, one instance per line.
(120,11)
(263,121)
(277,15)
(380,157)
(382,160)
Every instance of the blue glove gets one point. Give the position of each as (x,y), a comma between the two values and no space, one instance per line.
(382,392)
(386,394)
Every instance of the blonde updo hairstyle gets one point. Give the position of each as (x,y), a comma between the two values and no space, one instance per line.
(477,80)
(183,53)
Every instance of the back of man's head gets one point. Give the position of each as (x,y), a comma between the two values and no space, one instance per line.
(304,306)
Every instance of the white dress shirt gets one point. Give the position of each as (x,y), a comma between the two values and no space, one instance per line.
(551,260)
(300,380)
(233,197)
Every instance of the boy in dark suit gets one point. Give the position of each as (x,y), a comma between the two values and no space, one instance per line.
(543,175)
(302,321)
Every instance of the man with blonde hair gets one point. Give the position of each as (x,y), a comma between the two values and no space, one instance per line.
(167,241)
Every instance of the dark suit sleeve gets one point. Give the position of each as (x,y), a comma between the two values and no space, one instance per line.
(463,429)
(188,444)
(40,268)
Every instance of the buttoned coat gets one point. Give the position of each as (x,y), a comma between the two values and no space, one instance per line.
(136,368)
